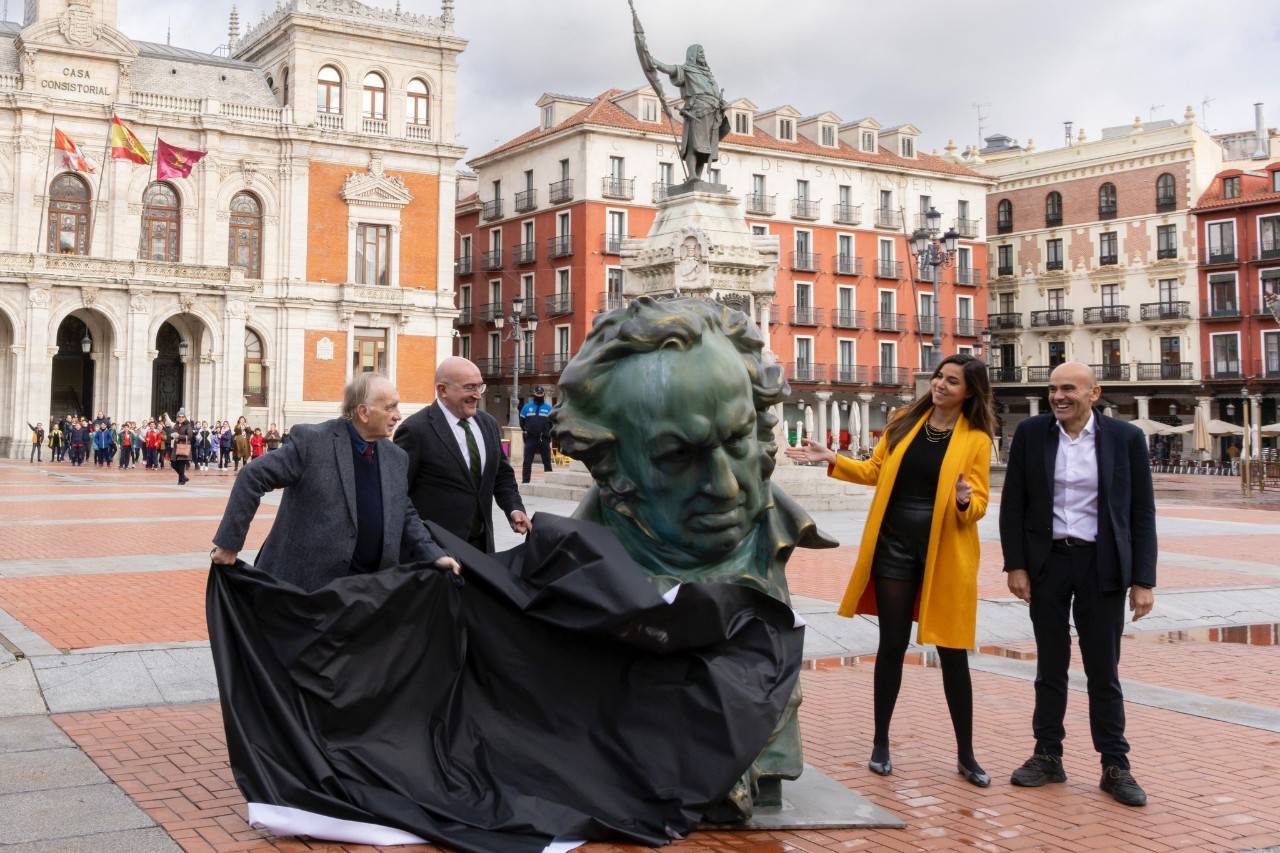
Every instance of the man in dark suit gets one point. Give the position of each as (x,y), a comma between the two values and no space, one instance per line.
(345,509)
(456,466)
(1078,529)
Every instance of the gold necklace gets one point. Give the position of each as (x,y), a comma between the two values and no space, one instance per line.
(935,435)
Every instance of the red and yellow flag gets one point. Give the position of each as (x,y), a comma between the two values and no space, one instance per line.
(125,146)
(175,162)
(71,153)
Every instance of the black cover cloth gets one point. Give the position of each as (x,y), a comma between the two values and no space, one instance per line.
(553,694)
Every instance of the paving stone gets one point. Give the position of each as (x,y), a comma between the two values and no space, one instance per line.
(20,734)
(154,840)
(67,812)
(183,675)
(19,691)
(89,682)
(42,769)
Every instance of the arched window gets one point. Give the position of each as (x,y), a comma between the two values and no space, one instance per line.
(418,104)
(1004,216)
(161,224)
(1166,192)
(284,87)
(68,223)
(255,372)
(244,241)
(329,90)
(375,96)
(1107,201)
(1053,209)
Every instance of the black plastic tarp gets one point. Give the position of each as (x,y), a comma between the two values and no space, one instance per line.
(552,694)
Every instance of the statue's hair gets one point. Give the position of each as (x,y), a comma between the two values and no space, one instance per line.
(647,325)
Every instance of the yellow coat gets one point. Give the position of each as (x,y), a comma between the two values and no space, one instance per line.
(948,604)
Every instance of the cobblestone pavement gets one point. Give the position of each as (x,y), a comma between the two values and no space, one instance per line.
(111,738)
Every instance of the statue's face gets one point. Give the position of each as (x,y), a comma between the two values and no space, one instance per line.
(687,439)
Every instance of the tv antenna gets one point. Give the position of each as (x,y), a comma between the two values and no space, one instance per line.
(1204,113)
(1151,111)
(982,117)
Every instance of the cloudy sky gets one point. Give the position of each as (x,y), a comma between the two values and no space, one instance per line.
(1032,64)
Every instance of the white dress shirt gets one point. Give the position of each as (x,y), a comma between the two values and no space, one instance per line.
(460,436)
(1075,484)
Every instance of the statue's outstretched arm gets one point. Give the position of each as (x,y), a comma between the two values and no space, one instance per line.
(670,70)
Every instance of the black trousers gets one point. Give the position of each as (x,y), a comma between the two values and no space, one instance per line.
(531,448)
(1068,586)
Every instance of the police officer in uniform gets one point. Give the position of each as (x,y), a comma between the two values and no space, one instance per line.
(535,421)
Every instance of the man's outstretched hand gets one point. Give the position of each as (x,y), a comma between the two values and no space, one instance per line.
(222,556)
(448,564)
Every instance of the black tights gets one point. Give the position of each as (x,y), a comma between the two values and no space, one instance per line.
(895,603)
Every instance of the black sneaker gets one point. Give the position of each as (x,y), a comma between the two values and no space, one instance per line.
(1120,784)
(1038,770)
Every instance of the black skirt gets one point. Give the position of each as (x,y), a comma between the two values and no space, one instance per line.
(903,543)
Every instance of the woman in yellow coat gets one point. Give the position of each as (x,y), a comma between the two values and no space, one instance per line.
(919,554)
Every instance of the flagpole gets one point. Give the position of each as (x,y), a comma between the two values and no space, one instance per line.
(93,211)
(42,225)
(142,234)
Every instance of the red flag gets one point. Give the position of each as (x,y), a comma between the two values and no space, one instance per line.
(175,162)
(71,153)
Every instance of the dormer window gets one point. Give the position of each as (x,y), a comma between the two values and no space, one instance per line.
(1231,187)
(786,129)
(1275,181)
(548,115)
(742,123)
(828,135)
(907,146)
(648,109)
(868,142)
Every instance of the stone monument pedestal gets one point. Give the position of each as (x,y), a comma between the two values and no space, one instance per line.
(816,801)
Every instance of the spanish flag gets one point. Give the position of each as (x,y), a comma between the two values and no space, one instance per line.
(125,146)
(175,162)
(71,153)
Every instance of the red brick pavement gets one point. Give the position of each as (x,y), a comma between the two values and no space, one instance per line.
(125,538)
(175,504)
(172,761)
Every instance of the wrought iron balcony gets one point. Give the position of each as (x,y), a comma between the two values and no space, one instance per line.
(888,269)
(967,229)
(464,316)
(805,261)
(489,367)
(623,188)
(489,310)
(556,362)
(1225,255)
(490,261)
(1268,367)
(1039,373)
(660,190)
(612,301)
(1163,311)
(1004,322)
(1166,254)
(524,253)
(613,243)
(847,214)
(895,376)
(1004,271)
(1053,317)
(849,374)
(559,304)
(924,324)
(888,218)
(1053,266)
(1111,372)
(559,247)
(526,200)
(1005,374)
(491,209)
(1268,251)
(804,371)
(1165,203)
(1108,260)
(806,315)
(1223,368)
(775,314)
(1106,211)
(1106,315)
(848,265)
(847,318)
(1220,311)
(1004,226)
(1052,220)
(971,276)
(462,266)
(1156,372)
(560,191)
(967,327)
(760,204)
(887,322)
(803,208)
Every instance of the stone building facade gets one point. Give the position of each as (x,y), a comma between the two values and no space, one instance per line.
(314,240)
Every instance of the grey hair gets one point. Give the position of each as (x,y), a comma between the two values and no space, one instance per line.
(358,392)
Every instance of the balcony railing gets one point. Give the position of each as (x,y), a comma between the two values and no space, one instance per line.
(1052,220)
(524,253)
(887,322)
(1222,368)
(1005,374)
(491,260)
(1225,255)
(1166,254)
(1153,372)
(1105,315)
(1004,271)
(613,243)
(556,362)
(1221,311)
(896,376)
(1004,226)
(559,304)
(559,247)
(1053,317)
(775,314)
(418,132)
(967,327)
(888,269)
(1111,372)
(1268,367)
(1053,266)
(526,200)
(1108,260)
(1156,311)
(805,261)
(849,374)
(1106,211)
(971,276)
(847,214)
(464,316)
(1165,203)
(327,121)
(612,301)
(373,126)
(489,367)
(967,228)
(491,209)
(847,318)
(660,190)
(560,191)
(1268,251)
(1039,372)
(759,204)
(489,310)
(1004,322)
(924,324)
(623,188)
(888,218)
(806,315)
(803,208)
(848,265)
(804,371)
(463,265)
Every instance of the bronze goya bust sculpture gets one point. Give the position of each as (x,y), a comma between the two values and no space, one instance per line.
(668,405)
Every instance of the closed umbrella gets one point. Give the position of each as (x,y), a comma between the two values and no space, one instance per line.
(855,426)
(808,425)
(1200,431)
(835,426)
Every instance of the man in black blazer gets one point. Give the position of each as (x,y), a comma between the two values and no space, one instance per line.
(456,466)
(1078,529)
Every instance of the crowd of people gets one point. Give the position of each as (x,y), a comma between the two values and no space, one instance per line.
(153,444)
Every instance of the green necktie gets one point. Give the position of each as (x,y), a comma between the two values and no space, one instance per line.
(473,450)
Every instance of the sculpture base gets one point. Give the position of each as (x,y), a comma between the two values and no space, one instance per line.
(816,801)
(696,185)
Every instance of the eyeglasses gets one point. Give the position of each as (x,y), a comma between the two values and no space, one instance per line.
(471,387)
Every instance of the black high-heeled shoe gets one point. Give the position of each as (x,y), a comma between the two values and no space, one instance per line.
(880,768)
(975,777)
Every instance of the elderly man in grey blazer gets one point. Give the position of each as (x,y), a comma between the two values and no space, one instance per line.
(346,508)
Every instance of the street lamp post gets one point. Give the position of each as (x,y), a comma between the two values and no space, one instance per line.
(936,254)
(516,332)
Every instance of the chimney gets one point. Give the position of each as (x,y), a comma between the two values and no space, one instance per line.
(1263,149)
(1066,126)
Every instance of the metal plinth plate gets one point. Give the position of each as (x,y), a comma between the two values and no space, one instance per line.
(816,801)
